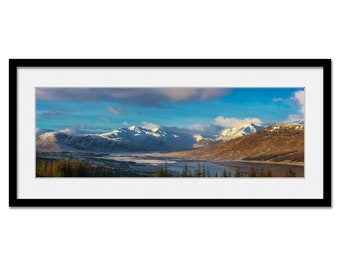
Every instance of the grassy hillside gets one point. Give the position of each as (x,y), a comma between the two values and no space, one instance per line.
(277,143)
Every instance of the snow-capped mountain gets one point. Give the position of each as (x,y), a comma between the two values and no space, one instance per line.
(136,139)
(160,138)
(227,134)
(133,132)
(132,139)
(235,132)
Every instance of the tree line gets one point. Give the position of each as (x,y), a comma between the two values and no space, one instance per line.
(201,170)
(47,167)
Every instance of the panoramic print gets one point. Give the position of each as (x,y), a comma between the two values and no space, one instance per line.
(169,132)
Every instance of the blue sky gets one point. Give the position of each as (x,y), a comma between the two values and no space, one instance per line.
(200,110)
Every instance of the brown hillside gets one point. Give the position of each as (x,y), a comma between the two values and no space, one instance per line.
(47,143)
(284,142)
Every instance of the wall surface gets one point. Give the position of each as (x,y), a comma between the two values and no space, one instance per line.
(168,238)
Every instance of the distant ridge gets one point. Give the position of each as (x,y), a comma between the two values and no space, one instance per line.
(132,139)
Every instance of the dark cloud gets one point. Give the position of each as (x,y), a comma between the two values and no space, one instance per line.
(146,97)
(56,111)
(103,118)
(115,110)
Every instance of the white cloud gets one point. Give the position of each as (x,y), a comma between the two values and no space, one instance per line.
(292,118)
(66,130)
(149,125)
(206,130)
(277,99)
(236,122)
(299,97)
(125,123)
(113,110)
(198,127)
(77,129)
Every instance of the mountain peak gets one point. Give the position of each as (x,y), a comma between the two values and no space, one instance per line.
(133,128)
(47,141)
(235,132)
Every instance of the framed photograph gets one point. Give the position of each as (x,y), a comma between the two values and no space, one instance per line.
(170,132)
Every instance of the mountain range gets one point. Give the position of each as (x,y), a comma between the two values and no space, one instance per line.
(132,139)
(135,139)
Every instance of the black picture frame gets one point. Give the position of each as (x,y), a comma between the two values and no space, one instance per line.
(14,64)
